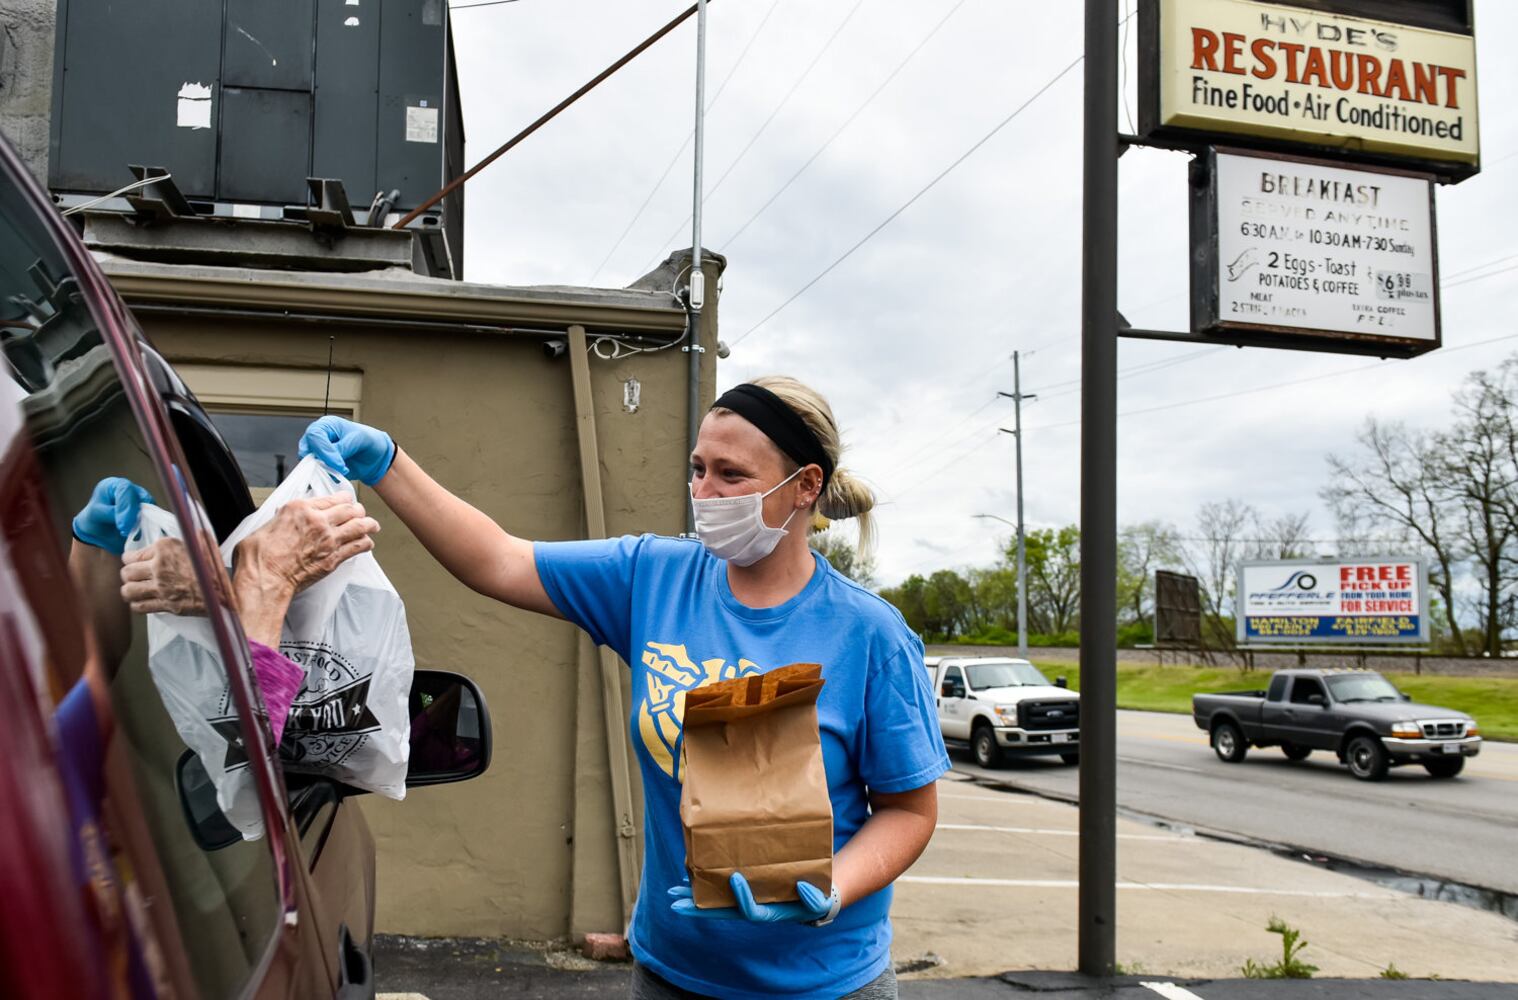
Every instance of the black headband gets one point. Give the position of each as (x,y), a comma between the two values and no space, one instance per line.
(780,424)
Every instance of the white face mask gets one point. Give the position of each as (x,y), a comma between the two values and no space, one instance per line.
(733,528)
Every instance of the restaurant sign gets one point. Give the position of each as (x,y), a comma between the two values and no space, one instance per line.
(1303,76)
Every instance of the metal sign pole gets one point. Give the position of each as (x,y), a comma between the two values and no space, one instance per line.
(1098,631)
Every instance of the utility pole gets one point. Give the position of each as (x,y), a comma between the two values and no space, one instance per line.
(1017,397)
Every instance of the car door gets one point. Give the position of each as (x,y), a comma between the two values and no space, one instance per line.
(206,918)
(953,711)
(1309,719)
(220,913)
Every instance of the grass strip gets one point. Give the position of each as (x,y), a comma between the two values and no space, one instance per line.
(1491,701)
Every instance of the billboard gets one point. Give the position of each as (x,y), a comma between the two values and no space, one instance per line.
(1177,610)
(1289,73)
(1303,250)
(1307,602)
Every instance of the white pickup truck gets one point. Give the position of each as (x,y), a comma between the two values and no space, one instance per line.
(999,706)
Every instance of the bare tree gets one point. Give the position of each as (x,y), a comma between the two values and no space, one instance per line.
(1221,541)
(1141,549)
(1397,483)
(1284,537)
(1476,465)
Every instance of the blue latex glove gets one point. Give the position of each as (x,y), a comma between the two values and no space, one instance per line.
(813,905)
(357,451)
(111,514)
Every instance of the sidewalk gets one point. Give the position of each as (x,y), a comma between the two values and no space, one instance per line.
(996,890)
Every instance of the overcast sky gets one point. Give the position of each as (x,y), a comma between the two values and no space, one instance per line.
(911,336)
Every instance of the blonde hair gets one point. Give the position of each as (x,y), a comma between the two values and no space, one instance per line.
(846,495)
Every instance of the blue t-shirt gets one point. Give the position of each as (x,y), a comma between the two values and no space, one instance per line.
(664,606)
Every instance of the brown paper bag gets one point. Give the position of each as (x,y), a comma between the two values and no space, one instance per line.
(756,795)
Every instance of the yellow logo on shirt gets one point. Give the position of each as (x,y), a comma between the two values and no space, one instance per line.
(671,674)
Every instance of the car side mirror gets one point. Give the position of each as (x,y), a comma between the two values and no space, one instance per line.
(1061,682)
(1405,696)
(1318,700)
(953,690)
(450,729)
(208,825)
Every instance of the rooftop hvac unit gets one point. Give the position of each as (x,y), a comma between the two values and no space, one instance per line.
(243,100)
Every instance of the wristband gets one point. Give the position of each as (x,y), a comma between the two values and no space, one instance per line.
(832,914)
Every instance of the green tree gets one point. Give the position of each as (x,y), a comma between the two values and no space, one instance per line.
(843,554)
(993,598)
(1054,579)
(946,601)
(908,598)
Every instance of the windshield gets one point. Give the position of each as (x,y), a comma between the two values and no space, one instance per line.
(1363,687)
(1004,675)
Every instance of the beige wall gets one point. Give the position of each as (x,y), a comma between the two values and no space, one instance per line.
(493,420)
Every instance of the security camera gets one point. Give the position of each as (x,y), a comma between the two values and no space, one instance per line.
(554,349)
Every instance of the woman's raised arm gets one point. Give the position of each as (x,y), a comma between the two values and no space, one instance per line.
(476,550)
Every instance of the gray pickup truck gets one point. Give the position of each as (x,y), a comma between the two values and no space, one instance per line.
(1357,714)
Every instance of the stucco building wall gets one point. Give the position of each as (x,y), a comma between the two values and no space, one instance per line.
(27,31)
(529,849)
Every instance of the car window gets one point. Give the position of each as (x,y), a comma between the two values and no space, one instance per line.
(215,910)
(953,676)
(1305,688)
(1277,688)
(1007,674)
(1363,687)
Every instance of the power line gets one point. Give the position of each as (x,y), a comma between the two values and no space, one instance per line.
(1480,277)
(912,200)
(1478,267)
(917,456)
(684,145)
(1275,385)
(546,117)
(481,3)
(1189,402)
(705,197)
(840,130)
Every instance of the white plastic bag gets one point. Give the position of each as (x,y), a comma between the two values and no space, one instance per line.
(348,631)
(187,669)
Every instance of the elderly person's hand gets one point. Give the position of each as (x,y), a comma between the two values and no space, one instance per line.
(159,579)
(306,540)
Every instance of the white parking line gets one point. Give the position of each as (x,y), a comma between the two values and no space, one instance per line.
(1067,833)
(1006,799)
(1170,991)
(1031,883)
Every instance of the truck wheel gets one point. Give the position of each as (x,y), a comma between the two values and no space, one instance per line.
(1444,767)
(1228,743)
(1295,751)
(1071,758)
(983,746)
(1366,758)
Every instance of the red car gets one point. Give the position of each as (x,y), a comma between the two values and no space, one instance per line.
(119,874)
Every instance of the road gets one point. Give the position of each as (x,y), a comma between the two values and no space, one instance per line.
(1461,829)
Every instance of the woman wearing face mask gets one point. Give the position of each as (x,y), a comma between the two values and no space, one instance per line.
(750,596)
